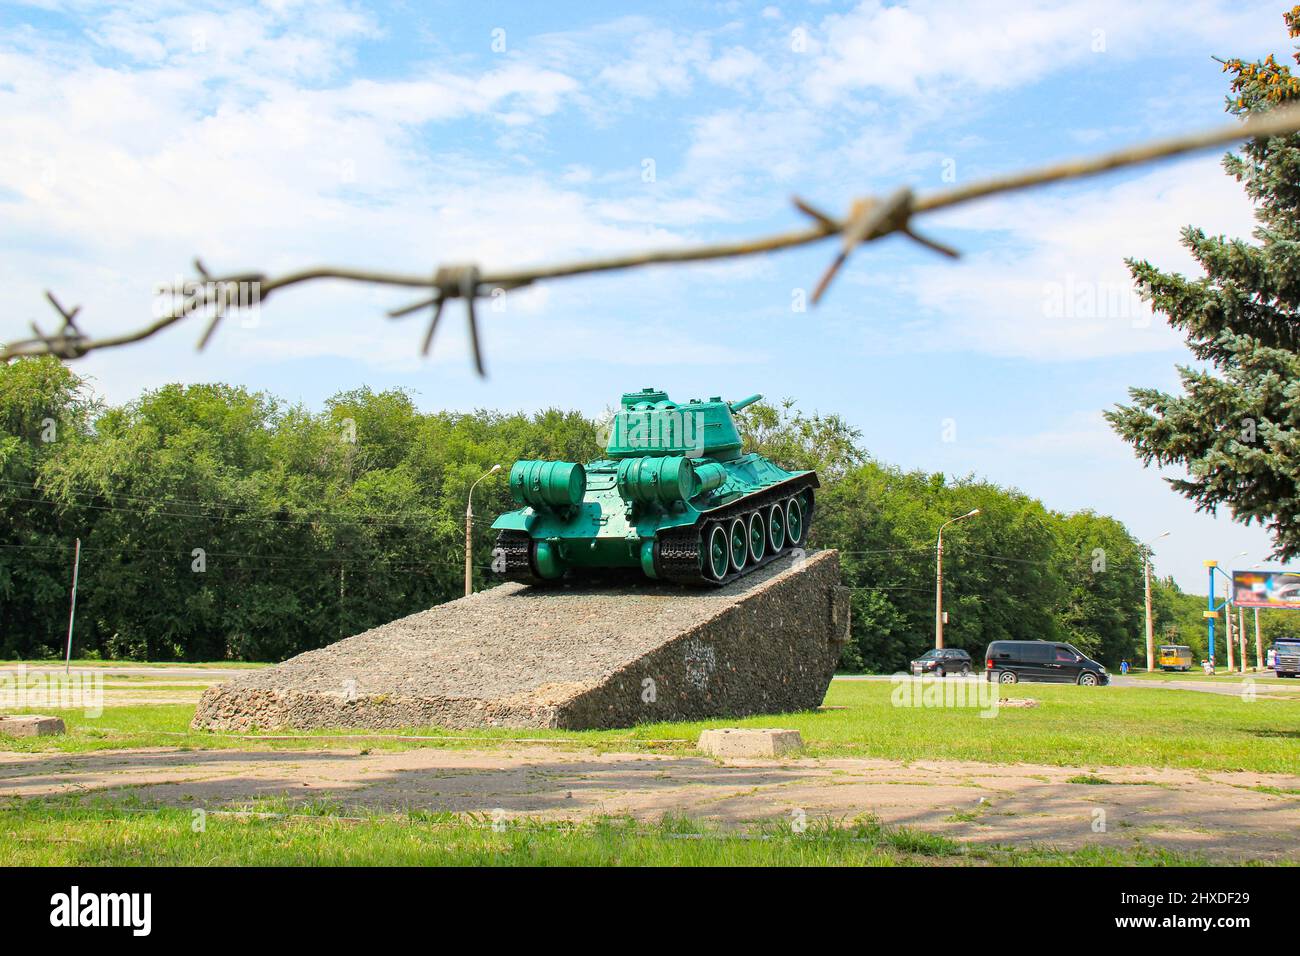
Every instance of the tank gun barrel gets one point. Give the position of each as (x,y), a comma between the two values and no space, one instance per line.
(744,402)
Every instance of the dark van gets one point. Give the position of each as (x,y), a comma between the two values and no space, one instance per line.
(1010,661)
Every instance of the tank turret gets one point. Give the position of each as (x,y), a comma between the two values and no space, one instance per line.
(648,424)
(677,496)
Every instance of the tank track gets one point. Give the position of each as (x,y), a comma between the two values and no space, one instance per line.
(679,552)
(515,547)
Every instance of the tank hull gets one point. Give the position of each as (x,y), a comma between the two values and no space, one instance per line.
(693,509)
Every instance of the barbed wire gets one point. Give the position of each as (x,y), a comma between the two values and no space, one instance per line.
(869,218)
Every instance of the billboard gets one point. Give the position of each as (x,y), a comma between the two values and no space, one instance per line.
(1266,589)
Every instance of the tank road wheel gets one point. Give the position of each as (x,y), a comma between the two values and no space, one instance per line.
(718,553)
(776,527)
(757,537)
(794,521)
(739,544)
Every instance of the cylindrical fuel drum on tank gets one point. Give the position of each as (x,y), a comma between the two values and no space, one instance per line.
(708,476)
(548,484)
(663,480)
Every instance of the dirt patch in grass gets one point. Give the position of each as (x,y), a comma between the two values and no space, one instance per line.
(1223,817)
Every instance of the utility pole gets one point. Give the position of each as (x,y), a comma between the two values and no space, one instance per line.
(469,530)
(1241,635)
(1146,573)
(1150,624)
(1259,651)
(938,578)
(72,612)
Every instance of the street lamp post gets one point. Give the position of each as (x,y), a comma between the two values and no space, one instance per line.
(938,578)
(1227,631)
(1239,639)
(1146,577)
(469,530)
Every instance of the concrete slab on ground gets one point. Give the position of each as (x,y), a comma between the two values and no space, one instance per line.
(749,742)
(31,725)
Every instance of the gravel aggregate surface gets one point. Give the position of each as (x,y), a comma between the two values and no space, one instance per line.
(569,656)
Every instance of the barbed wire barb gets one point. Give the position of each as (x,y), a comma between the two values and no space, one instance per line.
(452,282)
(869,218)
(218,311)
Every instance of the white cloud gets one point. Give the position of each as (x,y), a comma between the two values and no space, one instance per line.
(780,144)
(254,153)
(304,40)
(113,175)
(660,60)
(734,66)
(930,47)
(1052,283)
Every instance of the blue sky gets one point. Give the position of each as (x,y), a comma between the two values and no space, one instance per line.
(280,135)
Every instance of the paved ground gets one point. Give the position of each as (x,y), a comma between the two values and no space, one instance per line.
(1233,687)
(1267,685)
(1223,815)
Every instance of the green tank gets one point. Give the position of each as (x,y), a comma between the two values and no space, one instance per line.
(677,497)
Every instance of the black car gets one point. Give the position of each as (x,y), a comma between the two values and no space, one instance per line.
(1010,661)
(945,660)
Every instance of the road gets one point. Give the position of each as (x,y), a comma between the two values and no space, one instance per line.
(1233,688)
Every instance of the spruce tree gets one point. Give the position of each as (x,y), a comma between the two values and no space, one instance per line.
(1236,426)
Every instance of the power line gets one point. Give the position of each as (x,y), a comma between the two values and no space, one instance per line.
(225,503)
(264,517)
(891,587)
(891,550)
(296,561)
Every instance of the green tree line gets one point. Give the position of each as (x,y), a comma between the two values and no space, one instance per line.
(218,523)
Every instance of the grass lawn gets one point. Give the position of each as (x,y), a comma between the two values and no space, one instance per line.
(85,662)
(1071,726)
(68,833)
(1089,728)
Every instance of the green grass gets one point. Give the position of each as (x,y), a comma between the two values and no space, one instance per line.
(95,662)
(1092,780)
(1072,726)
(147,686)
(67,832)
(1089,779)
